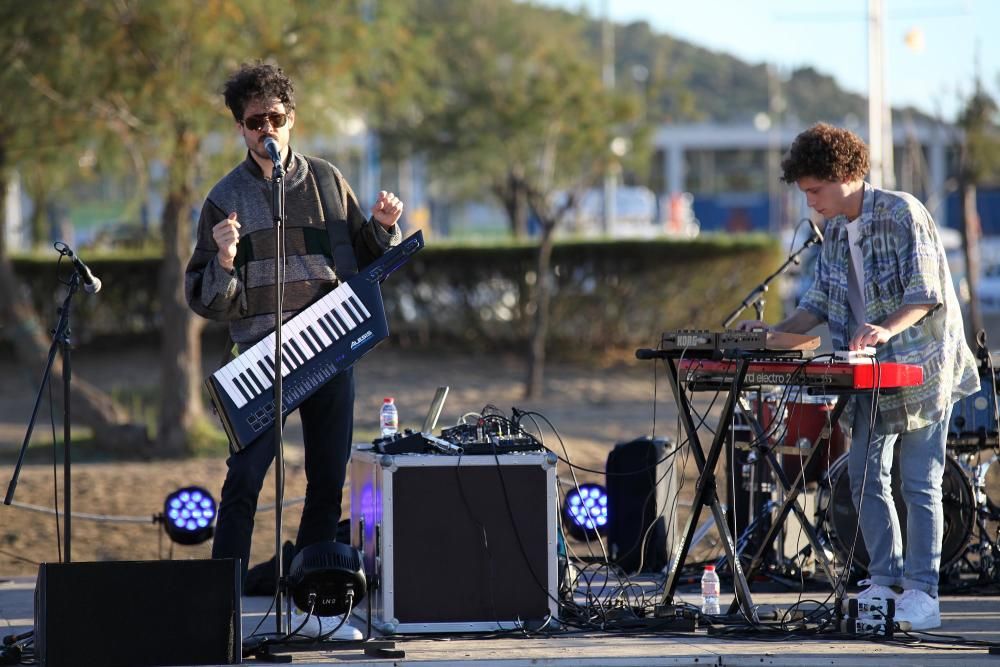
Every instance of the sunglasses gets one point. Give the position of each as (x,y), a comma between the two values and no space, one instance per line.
(256,123)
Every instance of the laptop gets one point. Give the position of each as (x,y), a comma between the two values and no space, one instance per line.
(434,412)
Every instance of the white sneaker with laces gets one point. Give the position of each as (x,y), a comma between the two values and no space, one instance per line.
(872,600)
(919,609)
(316,627)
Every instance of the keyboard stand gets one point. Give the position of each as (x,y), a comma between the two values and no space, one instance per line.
(791,491)
(706,492)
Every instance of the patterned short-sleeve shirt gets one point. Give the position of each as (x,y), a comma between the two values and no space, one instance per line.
(904,264)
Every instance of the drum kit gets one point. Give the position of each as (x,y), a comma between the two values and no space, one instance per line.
(795,422)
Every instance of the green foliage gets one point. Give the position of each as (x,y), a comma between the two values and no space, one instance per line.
(981,148)
(607,294)
(510,94)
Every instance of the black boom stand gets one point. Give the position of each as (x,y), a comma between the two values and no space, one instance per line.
(278,211)
(756,296)
(61,343)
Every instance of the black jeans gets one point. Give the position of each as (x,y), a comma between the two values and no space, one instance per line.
(327,428)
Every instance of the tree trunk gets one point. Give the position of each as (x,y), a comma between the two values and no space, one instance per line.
(90,406)
(971,234)
(514,199)
(180,348)
(535,384)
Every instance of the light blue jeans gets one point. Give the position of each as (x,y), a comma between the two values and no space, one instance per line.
(921,467)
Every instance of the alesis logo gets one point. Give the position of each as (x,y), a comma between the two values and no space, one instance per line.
(361,339)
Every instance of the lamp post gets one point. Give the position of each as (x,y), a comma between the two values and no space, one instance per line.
(883,173)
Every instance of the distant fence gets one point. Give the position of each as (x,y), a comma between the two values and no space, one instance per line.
(606,294)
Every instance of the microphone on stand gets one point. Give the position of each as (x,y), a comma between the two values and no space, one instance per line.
(271,146)
(91,283)
(817,234)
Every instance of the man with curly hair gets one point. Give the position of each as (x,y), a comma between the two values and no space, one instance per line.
(882,281)
(230,277)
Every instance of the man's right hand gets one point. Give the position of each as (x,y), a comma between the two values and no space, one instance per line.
(227,236)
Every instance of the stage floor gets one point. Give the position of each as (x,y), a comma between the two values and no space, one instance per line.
(965,617)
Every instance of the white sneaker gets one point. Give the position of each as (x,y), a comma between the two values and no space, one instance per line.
(919,609)
(315,627)
(872,600)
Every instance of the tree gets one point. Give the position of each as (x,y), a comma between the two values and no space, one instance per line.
(979,160)
(148,75)
(20,138)
(512,104)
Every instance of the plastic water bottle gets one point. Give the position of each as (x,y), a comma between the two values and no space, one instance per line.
(389,417)
(710,591)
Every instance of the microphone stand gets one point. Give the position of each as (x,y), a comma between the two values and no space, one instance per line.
(60,342)
(278,210)
(756,296)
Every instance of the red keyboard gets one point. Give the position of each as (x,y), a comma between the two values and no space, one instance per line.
(831,375)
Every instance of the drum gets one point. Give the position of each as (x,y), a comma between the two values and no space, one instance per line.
(808,417)
(837,518)
(973,424)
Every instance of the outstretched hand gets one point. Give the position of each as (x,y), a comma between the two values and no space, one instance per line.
(387,209)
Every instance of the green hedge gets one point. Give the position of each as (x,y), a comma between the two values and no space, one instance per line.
(608,294)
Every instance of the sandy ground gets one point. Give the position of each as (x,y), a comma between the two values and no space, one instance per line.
(592,407)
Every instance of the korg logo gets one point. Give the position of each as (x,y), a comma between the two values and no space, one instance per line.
(365,336)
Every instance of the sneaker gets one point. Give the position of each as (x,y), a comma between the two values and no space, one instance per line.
(919,609)
(316,627)
(872,600)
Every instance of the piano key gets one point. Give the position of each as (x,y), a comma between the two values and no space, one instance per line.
(309,337)
(303,354)
(334,324)
(358,309)
(352,311)
(340,319)
(251,385)
(327,329)
(243,391)
(225,377)
(288,356)
(360,303)
(318,334)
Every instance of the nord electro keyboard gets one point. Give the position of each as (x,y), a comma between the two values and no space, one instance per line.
(317,343)
(709,374)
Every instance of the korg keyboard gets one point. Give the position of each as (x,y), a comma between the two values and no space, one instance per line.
(317,343)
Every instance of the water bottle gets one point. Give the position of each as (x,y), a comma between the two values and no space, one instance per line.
(710,591)
(389,417)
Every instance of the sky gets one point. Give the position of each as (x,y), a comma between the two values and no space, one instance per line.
(933,72)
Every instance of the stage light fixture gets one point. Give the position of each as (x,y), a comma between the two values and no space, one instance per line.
(327,577)
(585,511)
(189,515)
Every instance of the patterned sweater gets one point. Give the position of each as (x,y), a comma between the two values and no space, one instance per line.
(245,298)
(904,263)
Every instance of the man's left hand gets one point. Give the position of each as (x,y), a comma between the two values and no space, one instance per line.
(387,209)
(869,335)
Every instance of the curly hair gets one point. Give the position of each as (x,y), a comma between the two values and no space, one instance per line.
(828,153)
(259,81)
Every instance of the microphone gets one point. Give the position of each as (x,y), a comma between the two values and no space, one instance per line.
(817,234)
(271,146)
(91,283)
(646,353)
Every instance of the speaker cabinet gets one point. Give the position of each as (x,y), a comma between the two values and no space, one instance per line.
(642,504)
(138,613)
(456,544)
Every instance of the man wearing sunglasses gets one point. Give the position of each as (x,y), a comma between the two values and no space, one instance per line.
(230,277)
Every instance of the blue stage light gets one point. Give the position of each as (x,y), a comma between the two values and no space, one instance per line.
(585,511)
(189,515)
